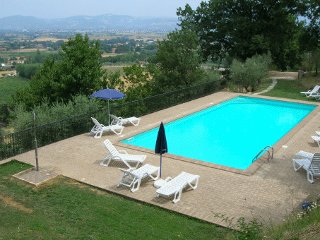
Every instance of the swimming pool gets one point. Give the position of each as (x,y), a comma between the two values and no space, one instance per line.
(230,133)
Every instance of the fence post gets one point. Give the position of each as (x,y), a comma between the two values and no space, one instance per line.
(35,140)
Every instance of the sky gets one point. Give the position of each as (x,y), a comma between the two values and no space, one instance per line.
(67,8)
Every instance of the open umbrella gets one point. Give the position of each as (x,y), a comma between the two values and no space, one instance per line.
(161,144)
(108,94)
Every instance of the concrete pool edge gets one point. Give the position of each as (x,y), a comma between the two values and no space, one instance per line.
(256,164)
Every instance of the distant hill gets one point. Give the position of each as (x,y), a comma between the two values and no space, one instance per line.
(107,22)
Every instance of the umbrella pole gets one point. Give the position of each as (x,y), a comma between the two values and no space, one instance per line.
(108,113)
(160,165)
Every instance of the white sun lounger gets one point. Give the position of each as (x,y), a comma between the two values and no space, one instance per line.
(121,156)
(315,96)
(312,166)
(132,177)
(303,154)
(313,92)
(125,121)
(175,186)
(98,128)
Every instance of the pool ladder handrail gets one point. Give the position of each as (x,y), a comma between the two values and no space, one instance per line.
(262,151)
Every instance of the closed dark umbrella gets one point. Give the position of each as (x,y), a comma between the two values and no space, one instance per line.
(161,144)
(108,94)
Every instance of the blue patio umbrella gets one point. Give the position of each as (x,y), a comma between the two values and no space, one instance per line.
(161,144)
(108,94)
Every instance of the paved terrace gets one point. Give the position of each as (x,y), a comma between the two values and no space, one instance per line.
(269,194)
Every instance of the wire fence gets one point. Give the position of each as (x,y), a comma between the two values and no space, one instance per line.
(23,141)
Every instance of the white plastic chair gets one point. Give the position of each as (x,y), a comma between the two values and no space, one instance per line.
(313,92)
(312,166)
(303,154)
(121,156)
(125,121)
(132,177)
(175,186)
(98,128)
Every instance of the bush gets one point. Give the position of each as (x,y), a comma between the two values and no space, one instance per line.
(27,70)
(249,74)
(212,75)
(4,114)
(46,113)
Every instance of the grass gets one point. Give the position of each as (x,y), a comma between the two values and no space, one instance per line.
(7,54)
(291,89)
(64,209)
(9,85)
(303,225)
(264,84)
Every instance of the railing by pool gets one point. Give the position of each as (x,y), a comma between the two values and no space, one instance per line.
(263,151)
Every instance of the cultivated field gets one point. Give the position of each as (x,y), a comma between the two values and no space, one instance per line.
(9,86)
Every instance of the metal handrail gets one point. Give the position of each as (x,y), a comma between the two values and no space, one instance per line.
(262,151)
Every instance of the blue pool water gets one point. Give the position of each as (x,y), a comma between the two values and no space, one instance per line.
(230,133)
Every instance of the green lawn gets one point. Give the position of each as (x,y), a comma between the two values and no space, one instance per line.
(64,209)
(9,85)
(290,89)
(264,84)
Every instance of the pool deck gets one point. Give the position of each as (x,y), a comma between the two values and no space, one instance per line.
(269,194)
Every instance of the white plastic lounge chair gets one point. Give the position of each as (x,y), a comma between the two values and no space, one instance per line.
(175,186)
(303,154)
(315,95)
(132,177)
(121,156)
(312,92)
(125,121)
(98,128)
(316,139)
(312,166)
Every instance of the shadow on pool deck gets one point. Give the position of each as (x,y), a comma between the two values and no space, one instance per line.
(270,194)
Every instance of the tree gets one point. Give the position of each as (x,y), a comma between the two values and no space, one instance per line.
(242,29)
(76,71)
(310,40)
(248,74)
(27,70)
(178,59)
(138,82)
(112,80)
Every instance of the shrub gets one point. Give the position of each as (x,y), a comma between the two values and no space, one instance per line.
(46,113)
(27,70)
(249,74)
(249,230)
(4,115)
